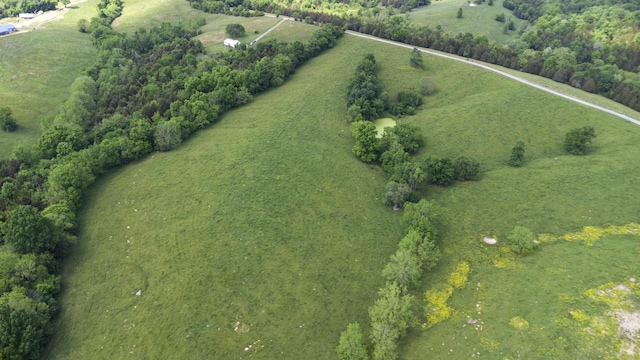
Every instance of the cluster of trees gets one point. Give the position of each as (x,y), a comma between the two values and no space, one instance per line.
(391,314)
(109,9)
(393,149)
(585,44)
(366,99)
(147,90)
(11,8)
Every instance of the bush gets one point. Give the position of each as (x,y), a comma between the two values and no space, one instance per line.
(439,170)
(517,155)
(428,86)
(500,17)
(466,169)
(83,25)
(235,30)
(7,122)
(577,141)
(521,240)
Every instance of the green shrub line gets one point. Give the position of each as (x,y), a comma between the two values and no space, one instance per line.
(147,91)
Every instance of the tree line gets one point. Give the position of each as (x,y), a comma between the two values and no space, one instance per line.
(146,91)
(585,44)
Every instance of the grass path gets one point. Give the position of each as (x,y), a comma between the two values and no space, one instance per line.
(510,76)
(268,31)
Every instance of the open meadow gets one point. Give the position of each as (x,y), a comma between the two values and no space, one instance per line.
(478,19)
(37,68)
(263,236)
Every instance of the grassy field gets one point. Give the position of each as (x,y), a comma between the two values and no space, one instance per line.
(264,233)
(290,31)
(548,290)
(138,13)
(478,20)
(37,69)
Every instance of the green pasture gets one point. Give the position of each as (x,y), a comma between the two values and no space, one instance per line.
(264,233)
(36,70)
(290,31)
(261,232)
(548,290)
(476,19)
(479,114)
(139,13)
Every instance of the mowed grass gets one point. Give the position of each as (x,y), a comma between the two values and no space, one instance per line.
(478,19)
(261,232)
(36,70)
(236,228)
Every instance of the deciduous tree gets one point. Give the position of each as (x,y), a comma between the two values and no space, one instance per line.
(416,60)
(366,145)
(235,30)
(27,231)
(391,317)
(577,141)
(351,346)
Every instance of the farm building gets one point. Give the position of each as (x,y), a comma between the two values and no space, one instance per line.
(231,42)
(7,29)
(26,15)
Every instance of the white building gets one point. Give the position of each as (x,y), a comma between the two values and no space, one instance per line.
(231,42)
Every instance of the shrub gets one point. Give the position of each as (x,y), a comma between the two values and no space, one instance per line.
(466,168)
(428,86)
(517,155)
(7,122)
(439,170)
(577,141)
(521,240)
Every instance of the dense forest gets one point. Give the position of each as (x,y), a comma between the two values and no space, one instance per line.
(593,45)
(148,90)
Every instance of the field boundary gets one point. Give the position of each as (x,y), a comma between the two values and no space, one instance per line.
(500,72)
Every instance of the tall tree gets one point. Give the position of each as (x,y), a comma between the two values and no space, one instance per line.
(391,317)
(416,60)
(27,231)
(404,268)
(366,145)
(351,346)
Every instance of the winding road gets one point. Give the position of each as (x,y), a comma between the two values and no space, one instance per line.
(513,77)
